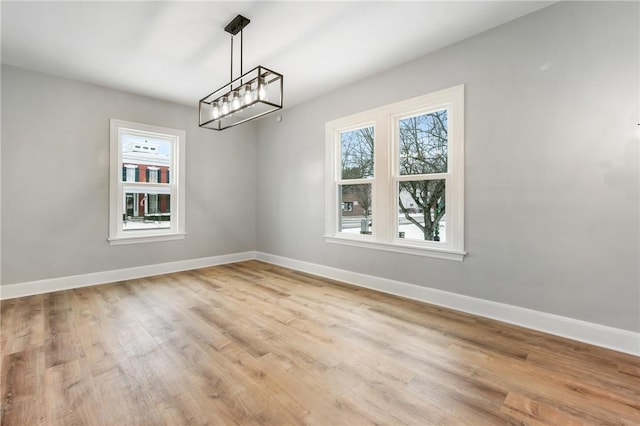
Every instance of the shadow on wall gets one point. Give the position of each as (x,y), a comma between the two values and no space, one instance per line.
(617,177)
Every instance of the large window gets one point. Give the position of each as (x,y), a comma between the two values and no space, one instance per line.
(147,183)
(396,177)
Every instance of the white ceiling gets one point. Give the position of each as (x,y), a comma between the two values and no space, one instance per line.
(178,51)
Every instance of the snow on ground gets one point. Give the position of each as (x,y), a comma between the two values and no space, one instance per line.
(135,225)
(411,232)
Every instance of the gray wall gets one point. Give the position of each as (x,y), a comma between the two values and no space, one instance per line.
(552,182)
(55,180)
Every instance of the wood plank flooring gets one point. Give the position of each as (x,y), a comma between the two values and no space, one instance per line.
(255,344)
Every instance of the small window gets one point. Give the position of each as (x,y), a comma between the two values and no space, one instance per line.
(153,174)
(144,207)
(131,173)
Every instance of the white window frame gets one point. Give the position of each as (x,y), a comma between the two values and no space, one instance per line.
(117,188)
(385,121)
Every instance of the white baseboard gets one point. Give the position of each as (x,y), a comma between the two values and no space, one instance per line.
(595,334)
(583,331)
(30,288)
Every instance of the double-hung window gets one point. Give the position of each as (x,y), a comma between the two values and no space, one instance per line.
(395,177)
(146,183)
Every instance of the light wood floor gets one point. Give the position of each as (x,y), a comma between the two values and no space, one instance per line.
(252,343)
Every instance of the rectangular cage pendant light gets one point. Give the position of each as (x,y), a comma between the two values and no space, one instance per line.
(252,95)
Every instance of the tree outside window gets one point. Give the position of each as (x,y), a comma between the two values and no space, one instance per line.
(423,147)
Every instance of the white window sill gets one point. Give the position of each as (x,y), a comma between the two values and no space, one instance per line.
(404,248)
(135,239)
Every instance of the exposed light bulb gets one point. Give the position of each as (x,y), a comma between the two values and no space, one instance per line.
(215,111)
(262,89)
(247,96)
(235,101)
(224,107)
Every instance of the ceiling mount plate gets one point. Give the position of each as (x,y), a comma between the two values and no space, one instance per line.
(238,23)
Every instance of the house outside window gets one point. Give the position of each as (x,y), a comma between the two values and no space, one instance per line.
(143,206)
(403,166)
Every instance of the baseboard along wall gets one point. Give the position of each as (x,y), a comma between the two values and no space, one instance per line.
(571,328)
(30,288)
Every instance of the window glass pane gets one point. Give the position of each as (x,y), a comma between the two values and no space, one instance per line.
(355,214)
(423,144)
(153,174)
(421,210)
(145,159)
(356,153)
(130,173)
(146,210)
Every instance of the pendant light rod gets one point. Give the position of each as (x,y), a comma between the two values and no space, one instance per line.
(231,77)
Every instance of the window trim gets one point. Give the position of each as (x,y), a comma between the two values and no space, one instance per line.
(387,175)
(176,186)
